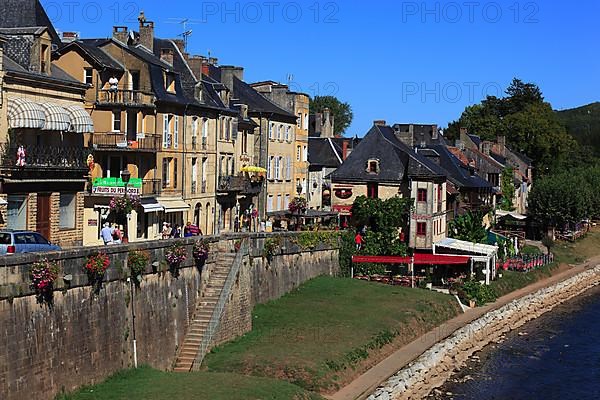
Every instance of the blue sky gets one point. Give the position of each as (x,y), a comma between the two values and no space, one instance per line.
(402,61)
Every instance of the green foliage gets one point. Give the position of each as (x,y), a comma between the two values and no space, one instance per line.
(548,242)
(528,123)
(507,186)
(272,245)
(137,261)
(480,293)
(347,249)
(583,123)
(342,112)
(468,227)
(310,239)
(567,197)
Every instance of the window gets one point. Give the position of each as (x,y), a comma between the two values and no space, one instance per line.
(421,228)
(175,174)
(176,133)
(422,195)
(88,76)
(45,59)
(166,130)
(305,121)
(68,206)
(372,190)
(279,202)
(287,133)
(271,130)
(194,131)
(194,174)
(244,142)
(298,153)
(373,166)
(16,214)
(270,167)
(280,132)
(286,202)
(170,82)
(116,121)
(221,128)
(299,120)
(288,170)
(304,185)
(204,173)
(276,167)
(270,203)
(166,176)
(304,153)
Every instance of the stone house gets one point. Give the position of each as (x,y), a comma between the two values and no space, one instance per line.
(43,125)
(383,166)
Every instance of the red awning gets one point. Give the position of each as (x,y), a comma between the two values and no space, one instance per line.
(419,259)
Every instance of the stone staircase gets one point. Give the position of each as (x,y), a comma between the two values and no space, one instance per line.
(204,311)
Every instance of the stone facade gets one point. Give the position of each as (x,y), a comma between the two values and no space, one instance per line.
(85,337)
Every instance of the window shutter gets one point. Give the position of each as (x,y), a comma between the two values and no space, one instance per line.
(176,132)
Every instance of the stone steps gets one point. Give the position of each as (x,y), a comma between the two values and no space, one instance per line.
(205,309)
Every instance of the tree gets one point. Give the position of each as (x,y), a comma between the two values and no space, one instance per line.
(468,227)
(342,112)
(528,123)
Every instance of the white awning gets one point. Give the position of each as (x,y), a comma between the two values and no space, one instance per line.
(151,205)
(3,202)
(465,247)
(502,213)
(81,122)
(174,205)
(57,118)
(23,113)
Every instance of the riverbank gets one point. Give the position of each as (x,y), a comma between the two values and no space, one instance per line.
(433,367)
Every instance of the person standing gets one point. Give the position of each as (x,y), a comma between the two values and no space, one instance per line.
(186,230)
(166,231)
(358,240)
(107,234)
(117,235)
(176,232)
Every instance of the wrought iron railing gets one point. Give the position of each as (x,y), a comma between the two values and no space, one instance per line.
(151,187)
(241,184)
(118,140)
(123,96)
(194,187)
(47,157)
(215,319)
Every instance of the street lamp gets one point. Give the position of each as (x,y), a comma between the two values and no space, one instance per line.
(125,176)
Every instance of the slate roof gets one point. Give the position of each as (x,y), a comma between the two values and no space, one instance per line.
(257,103)
(476,139)
(56,74)
(26,13)
(458,173)
(397,161)
(98,57)
(323,152)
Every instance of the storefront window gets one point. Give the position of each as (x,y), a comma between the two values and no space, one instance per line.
(16,214)
(68,208)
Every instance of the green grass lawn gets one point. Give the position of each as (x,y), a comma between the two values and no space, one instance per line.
(580,250)
(320,335)
(148,384)
(531,250)
(514,280)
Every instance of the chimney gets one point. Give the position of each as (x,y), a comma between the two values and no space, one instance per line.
(180,45)
(344,149)
(198,92)
(243,111)
(325,114)
(502,145)
(227,74)
(166,55)
(463,131)
(146,32)
(379,122)
(486,147)
(434,132)
(405,134)
(120,34)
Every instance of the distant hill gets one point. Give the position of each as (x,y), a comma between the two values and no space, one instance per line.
(583,123)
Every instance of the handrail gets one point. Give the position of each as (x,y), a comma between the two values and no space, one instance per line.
(215,319)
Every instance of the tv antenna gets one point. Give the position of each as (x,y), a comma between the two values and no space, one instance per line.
(186,33)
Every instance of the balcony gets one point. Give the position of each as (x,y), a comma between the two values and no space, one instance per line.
(122,97)
(50,158)
(239,184)
(119,141)
(151,187)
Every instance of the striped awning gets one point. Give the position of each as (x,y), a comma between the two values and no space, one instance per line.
(81,122)
(57,118)
(23,113)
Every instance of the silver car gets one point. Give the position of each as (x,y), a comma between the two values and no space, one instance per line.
(14,241)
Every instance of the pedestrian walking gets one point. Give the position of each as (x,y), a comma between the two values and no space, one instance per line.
(107,234)
(358,240)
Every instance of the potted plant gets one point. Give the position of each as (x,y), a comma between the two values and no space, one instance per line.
(43,274)
(95,267)
(137,261)
(200,252)
(175,255)
(124,204)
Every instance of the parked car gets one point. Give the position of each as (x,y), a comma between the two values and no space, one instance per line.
(12,242)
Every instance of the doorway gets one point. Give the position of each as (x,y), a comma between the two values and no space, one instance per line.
(43,215)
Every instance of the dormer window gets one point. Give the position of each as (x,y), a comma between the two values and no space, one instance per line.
(45,59)
(373,166)
(170,82)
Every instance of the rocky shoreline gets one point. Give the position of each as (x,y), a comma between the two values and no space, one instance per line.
(435,366)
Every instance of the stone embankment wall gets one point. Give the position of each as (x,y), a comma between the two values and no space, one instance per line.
(437,364)
(87,336)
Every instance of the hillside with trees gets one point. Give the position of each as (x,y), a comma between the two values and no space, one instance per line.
(583,123)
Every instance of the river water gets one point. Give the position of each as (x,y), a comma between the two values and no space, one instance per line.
(556,356)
